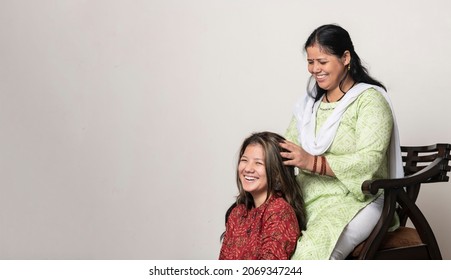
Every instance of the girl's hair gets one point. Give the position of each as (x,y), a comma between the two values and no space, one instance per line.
(281,178)
(335,40)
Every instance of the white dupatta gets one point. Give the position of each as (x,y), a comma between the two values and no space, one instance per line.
(305,113)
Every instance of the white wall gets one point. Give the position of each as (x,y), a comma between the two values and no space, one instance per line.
(120,121)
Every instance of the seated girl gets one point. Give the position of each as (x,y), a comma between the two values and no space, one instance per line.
(266,220)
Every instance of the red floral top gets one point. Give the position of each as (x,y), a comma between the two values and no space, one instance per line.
(268,232)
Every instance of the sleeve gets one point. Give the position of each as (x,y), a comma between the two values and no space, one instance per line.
(279,234)
(292,133)
(373,128)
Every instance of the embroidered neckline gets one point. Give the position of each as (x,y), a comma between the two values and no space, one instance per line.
(327,106)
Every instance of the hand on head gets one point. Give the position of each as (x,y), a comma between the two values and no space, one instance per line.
(295,155)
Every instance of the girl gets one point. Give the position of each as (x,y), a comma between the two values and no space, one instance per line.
(268,215)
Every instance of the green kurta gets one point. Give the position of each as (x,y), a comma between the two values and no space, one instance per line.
(358,153)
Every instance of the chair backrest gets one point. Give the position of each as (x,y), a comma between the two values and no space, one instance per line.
(417,158)
(422,164)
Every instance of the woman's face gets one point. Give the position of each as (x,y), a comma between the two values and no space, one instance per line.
(328,70)
(252,173)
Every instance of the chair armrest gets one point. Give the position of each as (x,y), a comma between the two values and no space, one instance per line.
(422,176)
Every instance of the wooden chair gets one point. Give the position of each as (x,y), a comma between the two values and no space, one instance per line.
(422,165)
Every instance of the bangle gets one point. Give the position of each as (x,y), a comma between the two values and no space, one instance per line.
(323,166)
(314,164)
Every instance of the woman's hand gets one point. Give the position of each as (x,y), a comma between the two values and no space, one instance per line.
(296,156)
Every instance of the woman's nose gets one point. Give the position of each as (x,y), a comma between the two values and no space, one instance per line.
(316,67)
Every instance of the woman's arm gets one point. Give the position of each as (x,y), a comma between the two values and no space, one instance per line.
(297,156)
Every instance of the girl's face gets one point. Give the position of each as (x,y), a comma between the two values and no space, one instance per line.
(252,173)
(328,70)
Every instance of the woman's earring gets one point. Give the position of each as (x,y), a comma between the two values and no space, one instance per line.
(349,66)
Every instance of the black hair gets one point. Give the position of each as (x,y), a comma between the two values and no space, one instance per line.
(335,40)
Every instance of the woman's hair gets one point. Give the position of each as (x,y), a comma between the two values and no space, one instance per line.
(335,40)
(281,178)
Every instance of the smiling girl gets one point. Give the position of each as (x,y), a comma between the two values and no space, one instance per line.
(268,216)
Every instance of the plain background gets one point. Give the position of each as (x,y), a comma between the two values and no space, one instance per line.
(120,120)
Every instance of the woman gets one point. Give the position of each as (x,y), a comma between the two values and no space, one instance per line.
(266,220)
(343,132)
